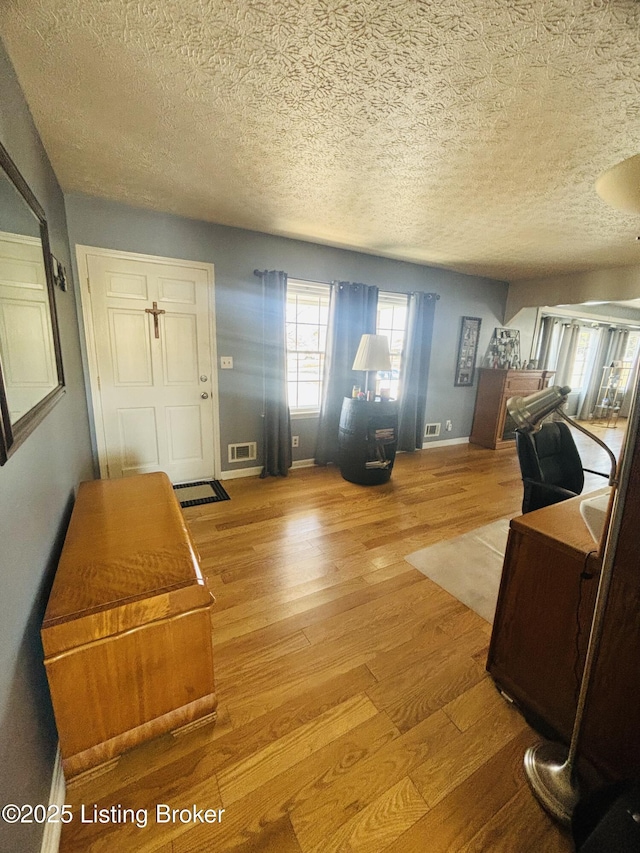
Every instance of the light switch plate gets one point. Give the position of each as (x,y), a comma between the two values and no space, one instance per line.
(226,362)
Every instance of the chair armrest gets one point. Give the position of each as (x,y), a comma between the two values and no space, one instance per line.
(538,495)
(549,489)
(599,473)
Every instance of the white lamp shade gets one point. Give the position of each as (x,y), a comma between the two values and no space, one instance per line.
(373,353)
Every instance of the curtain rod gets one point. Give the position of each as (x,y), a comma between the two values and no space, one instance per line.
(618,325)
(297,278)
(337,281)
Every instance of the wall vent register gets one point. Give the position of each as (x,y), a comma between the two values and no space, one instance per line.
(243,452)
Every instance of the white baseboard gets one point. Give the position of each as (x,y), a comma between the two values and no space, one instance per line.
(241,472)
(304,463)
(447,441)
(255,472)
(309,463)
(51,837)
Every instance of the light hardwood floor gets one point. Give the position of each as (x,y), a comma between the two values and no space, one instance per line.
(355,710)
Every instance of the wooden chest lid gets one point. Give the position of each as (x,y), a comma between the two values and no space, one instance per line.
(127,541)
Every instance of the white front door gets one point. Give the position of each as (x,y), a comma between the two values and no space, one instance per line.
(153,360)
(26,338)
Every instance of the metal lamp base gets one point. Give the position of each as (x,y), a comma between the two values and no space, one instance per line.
(552,780)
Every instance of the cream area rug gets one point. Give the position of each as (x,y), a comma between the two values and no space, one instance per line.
(469,566)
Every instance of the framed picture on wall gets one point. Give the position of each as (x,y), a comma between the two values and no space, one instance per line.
(467,350)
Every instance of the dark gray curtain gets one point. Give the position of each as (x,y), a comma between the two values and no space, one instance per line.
(415,370)
(276,436)
(352,313)
(547,329)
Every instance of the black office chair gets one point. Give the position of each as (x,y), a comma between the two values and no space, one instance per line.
(550,465)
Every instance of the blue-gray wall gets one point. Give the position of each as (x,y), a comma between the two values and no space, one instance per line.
(236,253)
(36,493)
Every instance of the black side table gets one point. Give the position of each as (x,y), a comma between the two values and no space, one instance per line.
(367,440)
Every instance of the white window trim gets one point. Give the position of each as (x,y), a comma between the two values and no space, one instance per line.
(319,289)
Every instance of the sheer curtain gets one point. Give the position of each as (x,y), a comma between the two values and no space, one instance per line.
(567,353)
(352,313)
(276,436)
(618,345)
(589,400)
(415,370)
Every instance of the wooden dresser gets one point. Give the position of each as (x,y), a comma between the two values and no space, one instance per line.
(127,630)
(492,425)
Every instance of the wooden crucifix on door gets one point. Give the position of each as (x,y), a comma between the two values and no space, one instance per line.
(156,312)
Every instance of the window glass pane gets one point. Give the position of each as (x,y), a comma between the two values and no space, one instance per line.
(308,312)
(385,317)
(632,347)
(291,308)
(309,366)
(307,338)
(292,369)
(396,342)
(308,394)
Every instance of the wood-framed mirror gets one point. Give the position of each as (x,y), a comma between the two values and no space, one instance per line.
(31,377)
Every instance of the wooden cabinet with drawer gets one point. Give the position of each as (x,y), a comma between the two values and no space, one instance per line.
(492,424)
(544,611)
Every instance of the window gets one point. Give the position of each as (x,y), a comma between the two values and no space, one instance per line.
(633,342)
(629,358)
(306,320)
(392,322)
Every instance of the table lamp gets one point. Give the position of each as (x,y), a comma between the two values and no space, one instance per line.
(373,355)
(550,768)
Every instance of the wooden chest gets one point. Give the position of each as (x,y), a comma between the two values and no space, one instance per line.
(127,630)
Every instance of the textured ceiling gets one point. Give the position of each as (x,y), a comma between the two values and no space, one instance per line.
(460,133)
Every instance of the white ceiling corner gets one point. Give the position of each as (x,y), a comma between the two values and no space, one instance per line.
(466,134)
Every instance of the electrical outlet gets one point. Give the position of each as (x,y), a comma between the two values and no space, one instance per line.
(448,426)
(226,362)
(295,441)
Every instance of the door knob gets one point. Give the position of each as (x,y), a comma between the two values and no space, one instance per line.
(204,395)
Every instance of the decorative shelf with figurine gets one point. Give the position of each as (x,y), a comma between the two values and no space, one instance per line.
(503,352)
(611,393)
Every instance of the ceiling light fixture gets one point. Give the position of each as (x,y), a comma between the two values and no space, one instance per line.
(619,186)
